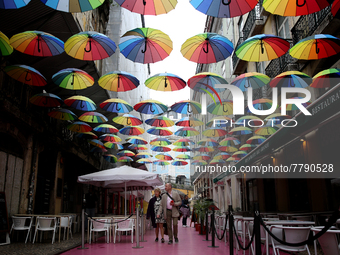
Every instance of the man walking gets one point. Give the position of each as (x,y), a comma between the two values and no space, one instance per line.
(169,205)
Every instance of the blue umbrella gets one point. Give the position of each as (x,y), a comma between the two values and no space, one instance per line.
(13,4)
(73,5)
(150,107)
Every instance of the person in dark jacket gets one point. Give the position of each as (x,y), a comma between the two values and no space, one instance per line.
(153,209)
(185,209)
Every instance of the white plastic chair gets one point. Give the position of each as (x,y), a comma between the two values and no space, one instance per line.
(19,223)
(45,224)
(65,222)
(328,241)
(122,226)
(100,226)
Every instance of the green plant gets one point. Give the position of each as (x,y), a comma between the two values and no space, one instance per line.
(201,206)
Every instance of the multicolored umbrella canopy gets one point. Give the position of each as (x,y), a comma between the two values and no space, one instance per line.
(256,139)
(233,159)
(79,127)
(26,74)
(140,147)
(37,43)
(127,120)
(125,159)
(106,129)
(199,162)
(97,143)
(183,142)
(145,45)
(224,8)
(165,82)
(110,138)
(227,148)
(262,47)
(62,114)
(97,149)
(132,130)
(159,131)
(240,131)
(252,79)
(208,142)
(187,131)
(165,156)
(187,107)
(230,141)
(73,5)
(116,146)
(13,4)
(226,108)
(137,140)
(205,149)
(206,82)
(266,130)
(126,153)
(46,100)
(207,48)
(143,155)
(247,147)
(116,105)
(148,7)
(160,141)
(189,122)
(217,161)
(214,132)
(240,154)
(5,47)
(326,78)
(183,156)
(260,104)
(202,157)
(220,121)
(181,149)
(150,107)
(118,81)
(110,158)
(294,7)
(161,162)
(87,135)
(179,163)
(276,118)
(160,121)
(251,120)
(81,103)
(160,148)
(316,47)
(222,155)
(73,78)
(93,117)
(144,161)
(90,46)
(294,79)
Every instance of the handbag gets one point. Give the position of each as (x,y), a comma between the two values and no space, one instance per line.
(165,226)
(180,213)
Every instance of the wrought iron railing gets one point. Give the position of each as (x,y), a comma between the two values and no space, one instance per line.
(234,57)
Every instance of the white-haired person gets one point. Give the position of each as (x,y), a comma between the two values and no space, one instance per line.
(153,210)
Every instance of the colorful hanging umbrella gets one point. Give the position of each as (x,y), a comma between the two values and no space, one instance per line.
(208,142)
(147,7)
(110,158)
(179,163)
(81,103)
(144,161)
(73,78)
(165,156)
(126,153)
(224,8)
(97,143)
(292,79)
(87,135)
(37,43)
(276,118)
(160,121)
(110,138)
(161,162)
(143,155)
(252,79)
(46,100)
(13,4)
(256,139)
(79,127)
(118,81)
(326,79)
(159,131)
(165,82)
(160,141)
(5,47)
(250,120)
(247,147)
(240,131)
(226,108)
(98,150)
(199,162)
(262,48)
(266,130)
(93,117)
(116,146)
(227,148)
(140,147)
(132,130)
(316,47)
(214,132)
(106,129)
(189,122)
(127,120)
(183,142)
(137,140)
(293,107)
(145,45)
(26,74)
(125,159)
(207,48)
(150,107)
(230,141)
(160,148)
(222,155)
(217,161)
(205,149)
(62,114)
(187,131)
(181,149)
(220,121)
(73,5)
(183,156)
(294,7)
(202,157)
(116,105)
(233,159)
(240,154)
(90,46)
(186,107)
(206,83)
(260,104)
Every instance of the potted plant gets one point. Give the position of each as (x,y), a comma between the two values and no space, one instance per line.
(201,207)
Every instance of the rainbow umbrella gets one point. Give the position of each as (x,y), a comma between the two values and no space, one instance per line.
(145,45)
(262,48)
(224,8)
(206,83)
(335,9)
(293,107)
(181,149)
(37,43)
(165,82)
(276,117)
(127,120)
(214,132)
(150,107)
(90,46)
(205,149)
(144,161)
(97,143)
(183,156)
(179,163)
(240,131)
(222,155)
(116,146)
(132,130)
(252,79)
(93,117)
(62,114)
(316,47)
(125,159)
(326,79)
(99,150)
(13,4)
(266,130)
(227,148)
(106,129)
(116,105)
(230,141)
(137,140)
(110,138)
(202,157)
(226,108)
(147,7)
(140,147)
(247,147)
(253,120)
(240,154)
(186,107)
(165,156)
(217,161)
(207,142)
(160,148)
(160,121)
(126,153)
(256,139)
(81,103)
(161,162)
(79,127)
(110,158)
(220,121)
(189,122)
(118,81)
(160,141)
(292,79)
(5,47)
(73,5)
(233,159)
(143,155)
(183,142)
(207,48)
(187,131)
(73,78)
(87,135)
(294,7)
(26,74)
(260,104)
(199,162)
(46,100)
(159,131)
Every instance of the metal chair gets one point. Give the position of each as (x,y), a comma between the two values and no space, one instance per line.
(122,226)
(19,223)
(65,222)
(45,224)
(100,226)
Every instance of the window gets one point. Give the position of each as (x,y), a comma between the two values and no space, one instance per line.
(282,26)
(240,26)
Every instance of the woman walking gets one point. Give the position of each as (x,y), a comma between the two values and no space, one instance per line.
(158,225)
(185,209)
